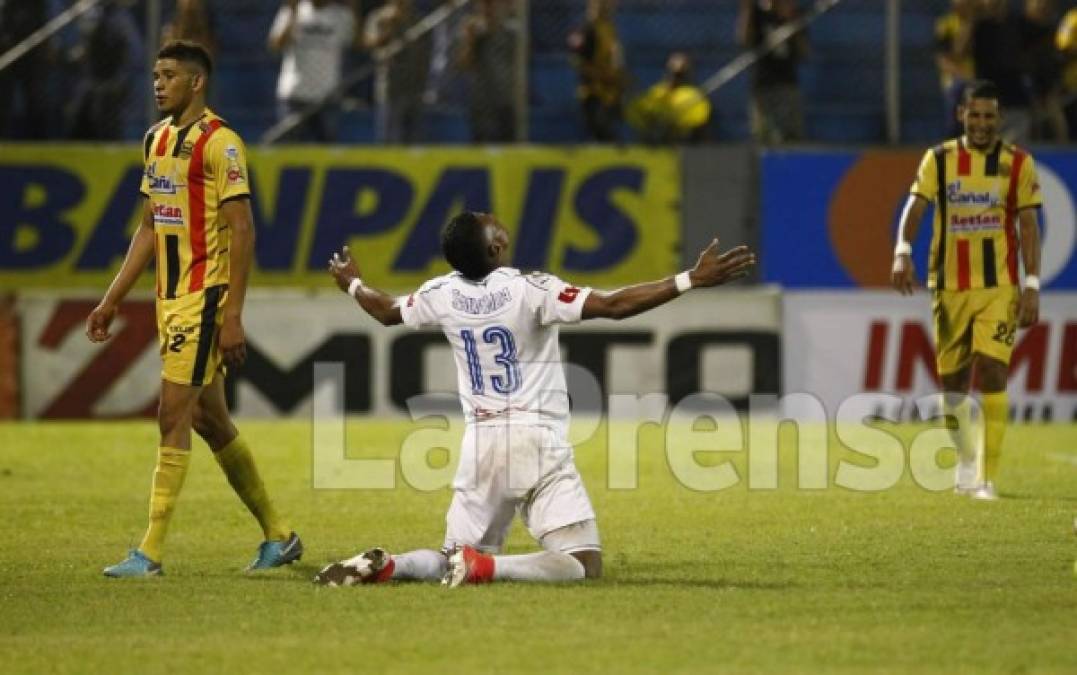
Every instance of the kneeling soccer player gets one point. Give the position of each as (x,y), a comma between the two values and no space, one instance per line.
(515,457)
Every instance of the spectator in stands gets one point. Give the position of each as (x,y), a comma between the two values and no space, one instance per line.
(953,56)
(776,111)
(998,38)
(602,74)
(1066,43)
(24,105)
(673,110)
(312,36)
(401,76)
(110,49)
(488,52)
(443,84)
(191,22)
(1043,71)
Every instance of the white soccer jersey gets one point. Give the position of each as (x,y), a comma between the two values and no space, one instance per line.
(504,335)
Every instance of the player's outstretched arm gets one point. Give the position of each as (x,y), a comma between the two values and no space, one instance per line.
(712,269)
(139,254)
(902,273)
(377,304)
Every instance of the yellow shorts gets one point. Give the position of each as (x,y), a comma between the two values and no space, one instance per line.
(981,321)
(187,327)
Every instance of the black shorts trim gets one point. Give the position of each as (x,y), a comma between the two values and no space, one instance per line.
(207,333)
(172,265)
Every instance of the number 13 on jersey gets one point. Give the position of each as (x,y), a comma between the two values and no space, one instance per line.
(505,382)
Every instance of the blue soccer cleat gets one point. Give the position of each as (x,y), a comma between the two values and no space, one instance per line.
(135,565)
(277,553)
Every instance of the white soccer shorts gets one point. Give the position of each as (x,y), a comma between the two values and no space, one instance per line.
(507,469)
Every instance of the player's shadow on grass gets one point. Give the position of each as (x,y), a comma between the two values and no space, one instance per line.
(1038,498)
(712,584)
(294,572)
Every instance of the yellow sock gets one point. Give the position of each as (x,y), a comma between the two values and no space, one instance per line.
(167,483)
(996,412)
(238,465)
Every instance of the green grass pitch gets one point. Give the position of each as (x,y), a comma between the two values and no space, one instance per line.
(739,580)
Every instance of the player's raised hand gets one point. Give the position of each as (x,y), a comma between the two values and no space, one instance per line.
(344,268)
(714,268)
(903,275)
(99,321)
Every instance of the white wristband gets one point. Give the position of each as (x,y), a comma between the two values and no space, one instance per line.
(903,248)
(354,286)
(1032,281)
(683,282)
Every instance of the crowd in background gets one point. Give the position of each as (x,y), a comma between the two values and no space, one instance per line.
(1030,53)
(473,51)
(470,60)
(96,58)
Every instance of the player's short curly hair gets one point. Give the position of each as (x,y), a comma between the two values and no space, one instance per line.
(188,51)
(981,89)
(463,243)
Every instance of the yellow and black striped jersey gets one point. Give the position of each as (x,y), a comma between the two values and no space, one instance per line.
(977,196)
(189,173)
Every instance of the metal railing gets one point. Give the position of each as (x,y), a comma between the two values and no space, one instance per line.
(381,58)
(53,26)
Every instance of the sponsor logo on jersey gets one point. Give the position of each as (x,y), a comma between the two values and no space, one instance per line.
(235,172)
(484,304)
(958,197)
(568,295)
(186,149)
(978,222)
(161,185)
(165,214)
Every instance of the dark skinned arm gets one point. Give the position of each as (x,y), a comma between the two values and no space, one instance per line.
(378,304)
(232,340)
(1028,307)
(902,274)
(139,255)
(712,269)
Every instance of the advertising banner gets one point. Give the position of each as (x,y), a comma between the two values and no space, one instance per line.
(829,218)
(595,216)
(723,342)
(837,344)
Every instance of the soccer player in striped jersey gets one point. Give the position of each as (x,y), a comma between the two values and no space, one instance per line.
(515,457)
(986,198)
(197,221)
